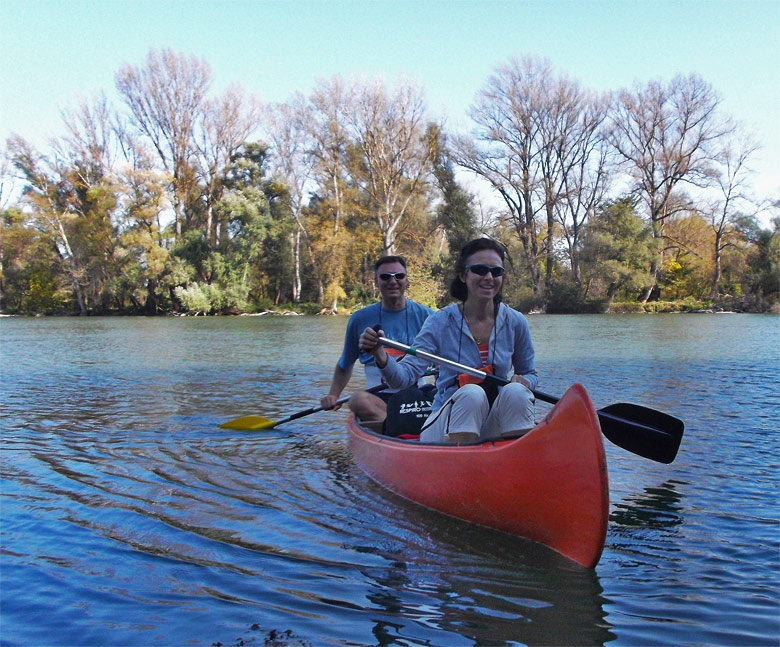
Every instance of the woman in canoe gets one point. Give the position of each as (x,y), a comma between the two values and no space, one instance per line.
(482,332)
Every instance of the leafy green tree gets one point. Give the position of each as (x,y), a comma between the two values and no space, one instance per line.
(142,257)
(616,250)
(329,248)
(75,212)
(251,253)
(30,270)
(688,261)
(455,213)
(763,278)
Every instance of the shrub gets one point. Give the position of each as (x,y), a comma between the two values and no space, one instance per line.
(193,299)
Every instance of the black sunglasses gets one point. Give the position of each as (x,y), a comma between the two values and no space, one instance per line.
(398,276)
(481,270)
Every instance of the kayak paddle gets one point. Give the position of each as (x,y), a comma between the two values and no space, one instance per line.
(645,432)
(258,423)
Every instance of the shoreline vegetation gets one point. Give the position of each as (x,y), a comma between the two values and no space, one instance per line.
(175,199)
(725,306)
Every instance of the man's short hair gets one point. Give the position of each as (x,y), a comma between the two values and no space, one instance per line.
(389,259)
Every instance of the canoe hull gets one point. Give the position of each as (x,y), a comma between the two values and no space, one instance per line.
(549,486)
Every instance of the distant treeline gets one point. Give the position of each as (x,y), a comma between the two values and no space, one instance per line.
(179,200)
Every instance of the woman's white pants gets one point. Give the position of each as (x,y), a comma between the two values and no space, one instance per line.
(468,411)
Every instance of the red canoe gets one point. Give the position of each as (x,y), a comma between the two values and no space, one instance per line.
(549,486)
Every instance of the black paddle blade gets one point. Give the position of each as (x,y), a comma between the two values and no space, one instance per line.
(646,432)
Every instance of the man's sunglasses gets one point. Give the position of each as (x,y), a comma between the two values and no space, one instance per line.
(398,276)
(481,270)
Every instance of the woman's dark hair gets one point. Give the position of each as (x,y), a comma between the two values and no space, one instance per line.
(458,288)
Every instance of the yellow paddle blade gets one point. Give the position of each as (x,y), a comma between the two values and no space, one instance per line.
(249,423)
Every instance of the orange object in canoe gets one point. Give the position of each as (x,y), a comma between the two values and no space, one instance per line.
(549,486)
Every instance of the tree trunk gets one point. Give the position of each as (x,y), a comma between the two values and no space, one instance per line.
(532,246)
(78,293)
(296,246)
(209,224)
(388,241)
(718,269)
(151,307)
(647,291)
(178,214)
(549,247)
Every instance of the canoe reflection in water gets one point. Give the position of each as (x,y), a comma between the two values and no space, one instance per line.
(428,578)
(491,588)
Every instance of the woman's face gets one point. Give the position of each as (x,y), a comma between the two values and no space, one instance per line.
(487,286)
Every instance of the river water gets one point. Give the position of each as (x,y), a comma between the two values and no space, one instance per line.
(130,518)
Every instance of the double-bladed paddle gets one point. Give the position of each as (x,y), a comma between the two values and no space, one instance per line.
(645,432)
(257,423)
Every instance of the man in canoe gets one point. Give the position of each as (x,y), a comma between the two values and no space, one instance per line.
(481,332)
(400,317)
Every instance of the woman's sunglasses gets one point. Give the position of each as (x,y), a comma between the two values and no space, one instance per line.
(398,276)
(481,270)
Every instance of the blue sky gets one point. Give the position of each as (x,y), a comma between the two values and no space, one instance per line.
(51,51)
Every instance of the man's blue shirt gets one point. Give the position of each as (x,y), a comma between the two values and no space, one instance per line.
(398,325)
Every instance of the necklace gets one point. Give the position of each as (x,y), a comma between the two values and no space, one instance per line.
(477,338)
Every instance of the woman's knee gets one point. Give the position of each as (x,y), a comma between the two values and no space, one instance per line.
(473,394)
(518,393)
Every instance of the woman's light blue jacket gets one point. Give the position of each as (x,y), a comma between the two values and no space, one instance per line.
(446,334)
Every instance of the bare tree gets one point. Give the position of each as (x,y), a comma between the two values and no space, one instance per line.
(665,135)
(573,162)
(325,118)
(732,174)
(91,139)
(166,99)
(507,149)
(293,160)
(227,121)
(310,142)
(390,131)
(586,175)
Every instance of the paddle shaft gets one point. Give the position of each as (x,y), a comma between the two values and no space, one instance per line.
(435,359)
(627,432)
(468,370)
(309,411)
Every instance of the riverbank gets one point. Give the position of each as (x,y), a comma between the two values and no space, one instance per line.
(746,304)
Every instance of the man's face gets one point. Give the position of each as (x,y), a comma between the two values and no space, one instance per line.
(392,280)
